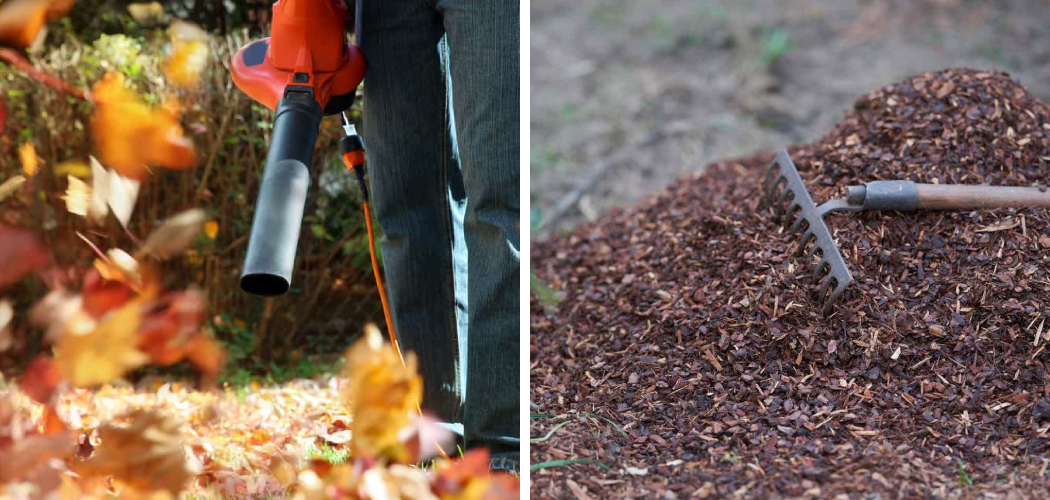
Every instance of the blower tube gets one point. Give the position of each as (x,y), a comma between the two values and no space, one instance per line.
(282,195)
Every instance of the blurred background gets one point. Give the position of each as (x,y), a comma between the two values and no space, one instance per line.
(333,292)
(628,94)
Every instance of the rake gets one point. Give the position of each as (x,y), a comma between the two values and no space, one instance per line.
(785,192)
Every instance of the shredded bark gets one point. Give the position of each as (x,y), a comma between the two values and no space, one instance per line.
(689,321)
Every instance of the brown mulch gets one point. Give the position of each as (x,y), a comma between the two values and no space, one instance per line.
(690,323)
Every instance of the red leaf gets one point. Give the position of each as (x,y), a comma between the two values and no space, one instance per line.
(40,379)
(102,295)
(20,254)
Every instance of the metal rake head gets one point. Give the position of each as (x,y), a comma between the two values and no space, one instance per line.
(785,192)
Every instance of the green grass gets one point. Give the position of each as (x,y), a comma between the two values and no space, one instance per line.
(964,478)
(331,455)
(777,44)
(563,463)
(547,297)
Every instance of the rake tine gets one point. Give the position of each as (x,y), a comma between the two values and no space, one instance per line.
(806,236)
(798,223)
(820,267)
(825,283)
(813,251)
(775,189)
(767,187)
(835,296)
(783,197)
(790,214)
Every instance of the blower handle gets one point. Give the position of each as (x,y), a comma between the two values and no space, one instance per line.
(282,196)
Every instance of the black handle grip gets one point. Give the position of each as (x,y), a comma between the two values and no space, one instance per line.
(282,196)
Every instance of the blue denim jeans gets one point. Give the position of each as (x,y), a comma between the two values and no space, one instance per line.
(441,125)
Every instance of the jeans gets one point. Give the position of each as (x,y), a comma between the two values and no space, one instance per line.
(441,125)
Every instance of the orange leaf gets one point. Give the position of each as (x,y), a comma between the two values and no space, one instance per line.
(21,253)
(30,162)
(103,295)
(40,379)
(130,136)
(21,21)
(189,54)
(211,229)
(383,395)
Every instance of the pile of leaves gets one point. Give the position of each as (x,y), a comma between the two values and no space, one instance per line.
(689,322)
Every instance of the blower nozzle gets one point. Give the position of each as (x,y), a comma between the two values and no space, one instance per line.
(282,195)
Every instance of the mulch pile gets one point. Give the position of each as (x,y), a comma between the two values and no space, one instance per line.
(690,323)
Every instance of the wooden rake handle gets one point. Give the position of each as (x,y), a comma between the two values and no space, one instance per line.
(908,196)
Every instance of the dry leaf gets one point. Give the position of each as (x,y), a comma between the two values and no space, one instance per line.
(7,313)
(189,54)
(40,379)
(130,136)
(30,161)
(174,235)
(146,455)
(20,254)
(147,14)
(61,312)
(11,186)
(383,396)
(104,354)
(22,21)
(211,229)
(77,197)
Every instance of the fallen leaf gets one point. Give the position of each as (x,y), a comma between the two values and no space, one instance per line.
(102,293)
(189,54)
(383,395)
(147,455)
(30,162)
(77,197)
(211,229)
(174,235)
(7,313)
(22,21)
(147,14)
(40,379)
(130,136)
(61,312)
(11,186)
(20,254)
(104,354)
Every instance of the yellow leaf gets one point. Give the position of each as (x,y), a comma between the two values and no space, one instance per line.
(74,168)
(30,162)
(104,354)
(147,455)
(383,396)
(77,197)
(130,136)
(189,54)
(211,229)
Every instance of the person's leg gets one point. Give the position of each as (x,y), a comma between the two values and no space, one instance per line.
(414,171)
(484,56)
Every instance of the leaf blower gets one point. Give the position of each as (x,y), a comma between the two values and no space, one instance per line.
(305,70)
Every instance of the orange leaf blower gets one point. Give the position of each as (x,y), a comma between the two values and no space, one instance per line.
(306,69)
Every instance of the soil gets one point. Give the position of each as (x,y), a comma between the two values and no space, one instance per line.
(711,73)
(689,323)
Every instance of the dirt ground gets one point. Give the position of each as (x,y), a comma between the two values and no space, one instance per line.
(695,81)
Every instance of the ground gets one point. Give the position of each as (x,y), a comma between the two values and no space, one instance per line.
(700,80)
